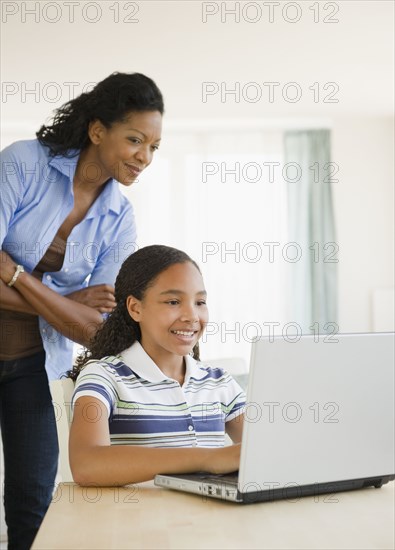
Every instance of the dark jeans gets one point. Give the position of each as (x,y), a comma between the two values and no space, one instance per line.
(30,444)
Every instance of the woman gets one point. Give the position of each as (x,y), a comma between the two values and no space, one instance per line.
(142,404)
(65,231)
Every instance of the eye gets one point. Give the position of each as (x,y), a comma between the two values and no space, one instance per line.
(155,147)
(172,302)
(201,302)
(134,140)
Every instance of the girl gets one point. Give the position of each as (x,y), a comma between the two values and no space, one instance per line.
(143,403)
(65,230)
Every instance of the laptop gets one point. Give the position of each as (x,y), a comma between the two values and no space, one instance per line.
(319,419)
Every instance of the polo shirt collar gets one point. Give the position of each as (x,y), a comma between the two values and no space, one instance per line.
(193,369)
(137,359)
(109,198)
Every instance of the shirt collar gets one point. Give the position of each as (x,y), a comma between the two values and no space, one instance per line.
(66,165)
(109,198)
(141,363)
(193,369)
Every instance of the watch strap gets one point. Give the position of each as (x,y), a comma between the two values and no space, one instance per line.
(19,269)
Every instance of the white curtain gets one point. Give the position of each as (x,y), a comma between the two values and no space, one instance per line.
(311,225)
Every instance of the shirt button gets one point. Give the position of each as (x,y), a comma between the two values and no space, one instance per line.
(49,278)
(49,356)
(66,269)
(44,331)
(190,428)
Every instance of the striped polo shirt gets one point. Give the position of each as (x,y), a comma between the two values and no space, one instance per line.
(147,408)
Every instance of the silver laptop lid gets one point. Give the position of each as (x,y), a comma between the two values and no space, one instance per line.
(318,410)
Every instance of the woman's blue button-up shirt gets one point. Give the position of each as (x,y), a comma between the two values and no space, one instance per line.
(36,197)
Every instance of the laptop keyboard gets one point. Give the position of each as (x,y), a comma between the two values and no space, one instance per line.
(218,478)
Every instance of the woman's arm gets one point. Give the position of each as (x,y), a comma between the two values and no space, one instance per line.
(99,297)
(13,301)
(234,428)
(71,318)
(94,461)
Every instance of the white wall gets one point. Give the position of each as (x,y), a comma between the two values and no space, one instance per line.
(172,45)
(364,207)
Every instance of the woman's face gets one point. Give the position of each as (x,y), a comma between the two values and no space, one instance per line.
(125,149)
(173,312)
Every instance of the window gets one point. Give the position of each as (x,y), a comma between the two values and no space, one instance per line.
(221,197)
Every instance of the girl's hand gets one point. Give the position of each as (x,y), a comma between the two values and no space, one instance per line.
(94,461)
(223,460)
(99,297)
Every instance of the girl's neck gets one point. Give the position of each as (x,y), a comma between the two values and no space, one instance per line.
(173,366)
(177,373)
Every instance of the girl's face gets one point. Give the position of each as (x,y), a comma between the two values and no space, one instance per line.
(173,312)
(125,149)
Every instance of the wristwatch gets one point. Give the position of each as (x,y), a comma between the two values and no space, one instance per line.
(19,269)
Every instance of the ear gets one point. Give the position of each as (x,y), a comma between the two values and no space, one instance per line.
(134,308)
(96,131)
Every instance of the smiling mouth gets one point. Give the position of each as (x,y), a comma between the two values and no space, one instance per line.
(185,333)
(134,170)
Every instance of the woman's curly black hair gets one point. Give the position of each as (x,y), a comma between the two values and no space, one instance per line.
(138,272)
(109,101)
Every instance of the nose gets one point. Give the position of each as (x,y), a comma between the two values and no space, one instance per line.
(144,155)
(190,313)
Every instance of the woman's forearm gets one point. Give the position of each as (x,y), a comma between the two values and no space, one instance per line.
(12,300)
(125,464)
(72,319)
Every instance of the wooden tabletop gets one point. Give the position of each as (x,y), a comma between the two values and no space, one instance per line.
(147,517)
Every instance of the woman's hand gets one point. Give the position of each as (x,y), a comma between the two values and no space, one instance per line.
(76,321)
(99,297)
